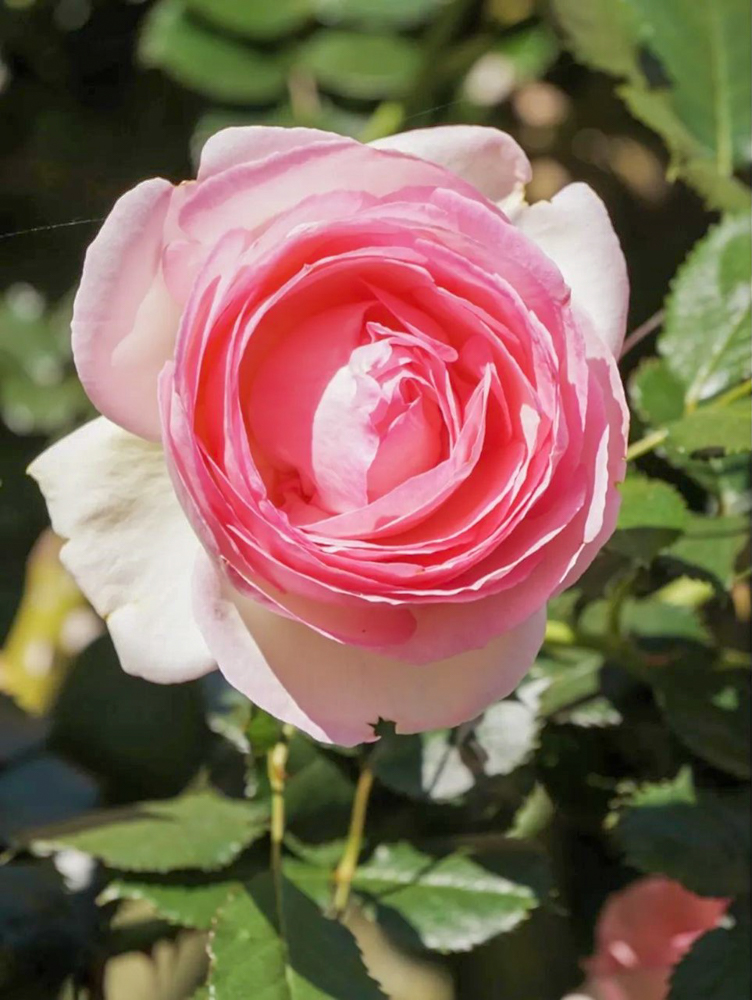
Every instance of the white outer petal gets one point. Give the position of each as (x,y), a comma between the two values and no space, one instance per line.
(130,546)
(575,231)
(490,160)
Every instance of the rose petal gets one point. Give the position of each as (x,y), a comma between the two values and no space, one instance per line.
(337,693)
(247,143)
(130,546)
(490,160)
(575,231)
(122,270)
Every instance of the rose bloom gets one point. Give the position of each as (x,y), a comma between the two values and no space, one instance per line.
(642,933)
(361,420)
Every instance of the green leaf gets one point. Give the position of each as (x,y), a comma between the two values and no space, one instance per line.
(703,47)
(451,903)
(651,618)
(650,503)
(214,65)
(202,830)
(262,20)
(263,732)
(652,516)
(725,429)
(188,899)
(709,711)
(601,33)
(504,738)
(425,766)
(366,67)
(705,339)
(316,785)
(525,54)
(712,545)
(704,844)
(371,14)
(444,764)
(283,949)
(568,682)
(656,393)
(717,966)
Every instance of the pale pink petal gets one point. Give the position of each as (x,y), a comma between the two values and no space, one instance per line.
(250,195)
(490,160)
(246,143)
(337,693)
(124,320)
(129,546)
(574,230)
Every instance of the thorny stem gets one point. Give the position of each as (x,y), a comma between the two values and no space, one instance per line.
(348,864)
(642,331)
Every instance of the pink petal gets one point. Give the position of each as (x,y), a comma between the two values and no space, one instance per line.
(124,320)
(250,195)
(337,693)
(246,144)
(490,160)
(574,230)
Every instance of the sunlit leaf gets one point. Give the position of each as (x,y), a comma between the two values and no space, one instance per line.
(201,830)
(705,339)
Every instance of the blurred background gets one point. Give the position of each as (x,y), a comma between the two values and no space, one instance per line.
(96,95)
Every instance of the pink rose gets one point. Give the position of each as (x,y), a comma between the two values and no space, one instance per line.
(362,419)
(642,933)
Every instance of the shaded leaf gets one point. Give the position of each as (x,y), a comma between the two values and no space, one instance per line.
(699,839)
(425,766)
(262,20)
(712,545)
(212,64)
(200,830)
(377,13)
(367,67)
(189,899)
(709,711)
(283,949)
(717,966)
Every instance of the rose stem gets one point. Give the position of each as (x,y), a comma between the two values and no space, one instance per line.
(646,444)
(348,864)
(642,331)
(276,764)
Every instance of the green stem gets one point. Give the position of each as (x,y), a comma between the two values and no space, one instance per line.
(276,768)
(348,864)
(737,392)
(646,444)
